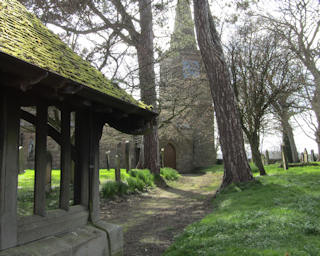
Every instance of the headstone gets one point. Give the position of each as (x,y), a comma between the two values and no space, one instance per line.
(301,157)
(48,172)
(108,159)
(284,158)
(127,156)
(263,159)
(22,160)
(305,156)
(313,157)
(117,171)
(267,160)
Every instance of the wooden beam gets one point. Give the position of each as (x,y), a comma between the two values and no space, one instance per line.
(82,144)
(40,160)
(96,127)
(52,132)
(9,165)
(65,159)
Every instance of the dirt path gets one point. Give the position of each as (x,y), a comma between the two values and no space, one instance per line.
(151,220)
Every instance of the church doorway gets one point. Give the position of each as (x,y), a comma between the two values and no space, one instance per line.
(170,156)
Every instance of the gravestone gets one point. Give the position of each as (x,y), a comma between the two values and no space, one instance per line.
(263,159)
(301,158)
(267,159)
(127,156)
(48,172)
(108,159)
(284,158)
(22,160)
(305,156)
(313,157)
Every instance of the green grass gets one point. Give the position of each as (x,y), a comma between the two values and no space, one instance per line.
(169,174)
(135,180)
(26,192)
(278,214)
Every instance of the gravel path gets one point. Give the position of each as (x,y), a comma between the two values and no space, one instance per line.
(151,220)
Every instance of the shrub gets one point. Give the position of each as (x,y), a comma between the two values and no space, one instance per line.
(143,175)
(169,173)
(112,188)
(135,184)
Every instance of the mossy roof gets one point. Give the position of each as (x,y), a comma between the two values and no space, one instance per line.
(22,35)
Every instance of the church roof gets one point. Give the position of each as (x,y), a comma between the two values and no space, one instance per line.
(23,36)
(183,37)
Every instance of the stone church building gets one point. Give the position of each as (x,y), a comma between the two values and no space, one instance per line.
(186,131)
(186,121)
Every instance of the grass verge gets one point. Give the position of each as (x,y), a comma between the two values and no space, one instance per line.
(277,214)
(132,182)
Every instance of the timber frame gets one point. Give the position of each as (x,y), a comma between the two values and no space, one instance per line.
(26,85)
(38,70)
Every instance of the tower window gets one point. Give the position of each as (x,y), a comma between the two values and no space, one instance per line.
(190,68)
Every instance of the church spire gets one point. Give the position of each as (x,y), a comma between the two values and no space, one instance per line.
(183,37)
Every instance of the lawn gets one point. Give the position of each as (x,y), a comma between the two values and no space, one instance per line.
(26,188)
(278,214)
(140,179)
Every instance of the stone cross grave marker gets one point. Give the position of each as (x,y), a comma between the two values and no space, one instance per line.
(305,156)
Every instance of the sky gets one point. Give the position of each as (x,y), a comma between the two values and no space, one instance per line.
(270,142)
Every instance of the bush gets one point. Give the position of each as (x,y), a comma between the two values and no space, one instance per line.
(136,180)
(169,173)
(135,184)
(143,175)
(112,188)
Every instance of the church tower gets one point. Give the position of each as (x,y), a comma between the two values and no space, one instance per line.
(186,110)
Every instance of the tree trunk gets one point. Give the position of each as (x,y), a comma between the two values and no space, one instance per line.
(316,108)
(287,147)
(256,156)
(236,167)
(288,134)
(317,134)
(147,84)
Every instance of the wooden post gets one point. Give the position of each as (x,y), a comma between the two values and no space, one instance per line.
(305,156)
(81,173)
(162,157)
(108,159)
(117,170)
(127,156)
(95,132)
(9,166)
(48,171)
(65,160)
(40,160)
(284,158)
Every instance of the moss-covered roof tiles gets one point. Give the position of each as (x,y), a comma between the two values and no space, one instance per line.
(22,35)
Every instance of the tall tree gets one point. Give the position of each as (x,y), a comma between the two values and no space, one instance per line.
(236,167)
(261,75)
(111,22)
(297,23)
(285,107)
